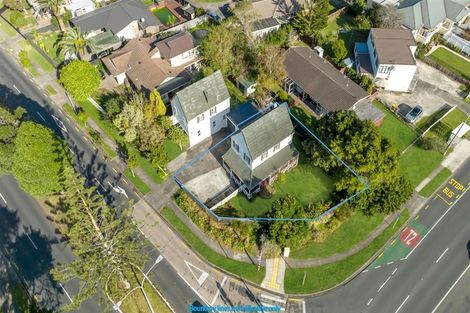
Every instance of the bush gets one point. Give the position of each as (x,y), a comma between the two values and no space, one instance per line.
(80,79)
(421,50)
(24,59)
(338,50)
(362,22)
(66,17)
(433,143)
(367,83)
(357,7)
(17,19)
(200,11)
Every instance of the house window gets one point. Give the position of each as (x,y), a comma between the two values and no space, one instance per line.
(200,118)
(199,133)
(213,110)
(236,147)
(276,147)
(213,123)
(385,69)
(264,155)
(246,158)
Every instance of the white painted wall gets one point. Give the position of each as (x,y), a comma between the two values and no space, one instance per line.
(263,32)
(130,31)
(399,78)
(285,142)
(120,78)
(197,132)
(184,57)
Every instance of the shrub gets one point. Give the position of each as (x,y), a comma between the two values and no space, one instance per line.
(357,7)
(338,50)
(24,59)
(80,79)
(362,22)
(200,11)
(17,18)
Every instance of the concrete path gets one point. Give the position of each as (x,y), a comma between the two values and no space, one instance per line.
(274,278)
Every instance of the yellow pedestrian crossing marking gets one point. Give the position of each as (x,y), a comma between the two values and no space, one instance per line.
(273,284)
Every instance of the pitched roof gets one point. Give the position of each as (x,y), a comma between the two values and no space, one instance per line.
(276,8)
(267,131)
(429,13)
(202,95)
(116,16)
(175,45)
(393,45)
(135,61)
(321,80)
(264,23)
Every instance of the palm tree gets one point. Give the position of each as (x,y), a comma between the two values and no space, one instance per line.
(73,41)
(55,6)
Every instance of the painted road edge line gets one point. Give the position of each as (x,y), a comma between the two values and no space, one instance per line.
(402,304)
(218,290)
(3,199)
(450,289)
(66,293)
(435,224)
(195,291)
(440,257)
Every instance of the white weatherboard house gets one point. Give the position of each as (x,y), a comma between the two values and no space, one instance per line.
(201,109)
(261,150)
(177,50)
(388,56)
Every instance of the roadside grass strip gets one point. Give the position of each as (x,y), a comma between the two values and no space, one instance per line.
(437,181)
(138,183)
(244,270)
(315,279)
(452,61)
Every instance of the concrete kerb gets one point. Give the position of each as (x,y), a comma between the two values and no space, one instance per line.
(264,219)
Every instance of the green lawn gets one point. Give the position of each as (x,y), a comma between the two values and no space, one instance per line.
(164,15)
(427,121)
(444,128)
(48,41)
(147,2)
(245,270)
(453,62)
(138,183)
(394,129)
(172,149)
(354,230)
(327,276)
(306,182)
(36,57)
(438,180)
(416,163)
(7,29)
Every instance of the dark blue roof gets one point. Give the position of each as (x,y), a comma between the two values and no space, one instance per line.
(242,112)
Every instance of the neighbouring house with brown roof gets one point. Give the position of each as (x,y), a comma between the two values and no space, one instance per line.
(322,87)
(147,64)
(388,57)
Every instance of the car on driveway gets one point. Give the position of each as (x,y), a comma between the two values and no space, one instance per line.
(215,17)
(413,115)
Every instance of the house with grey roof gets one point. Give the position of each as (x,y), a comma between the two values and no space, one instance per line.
(264,26)
(201,108)
(261,149)
(388,57)
(427,17)
(126,19)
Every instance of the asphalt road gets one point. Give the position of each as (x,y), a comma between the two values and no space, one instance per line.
(16,89)
(417,281)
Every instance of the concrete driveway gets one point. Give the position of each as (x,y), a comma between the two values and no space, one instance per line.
(432,90)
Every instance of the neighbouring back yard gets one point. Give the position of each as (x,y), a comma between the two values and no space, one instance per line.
(452,61)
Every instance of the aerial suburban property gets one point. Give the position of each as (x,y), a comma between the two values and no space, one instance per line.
(181,156)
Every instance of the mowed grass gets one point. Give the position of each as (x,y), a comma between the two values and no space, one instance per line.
(351,232)
(245,270)
(6,28)
(138,183)
(306,182)
(394,129)
(416,163)
(453,62)
(437,181)
(36,57)
(327,276)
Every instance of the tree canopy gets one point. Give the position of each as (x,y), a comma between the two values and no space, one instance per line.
(38,160)
(312,18)
(217,49)
(360,145)
(80,79)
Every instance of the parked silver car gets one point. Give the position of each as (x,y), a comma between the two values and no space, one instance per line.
(414,114)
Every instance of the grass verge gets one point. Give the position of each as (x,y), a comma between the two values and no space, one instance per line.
(7,29)
(138,183)
(245,270)
(36,57)
(50,90)
(452,61)
(352,231)
(416,163)
(438,180)
(327,276)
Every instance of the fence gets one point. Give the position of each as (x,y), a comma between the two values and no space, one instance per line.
(186,25)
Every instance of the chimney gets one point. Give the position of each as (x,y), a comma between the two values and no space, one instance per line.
(318,50)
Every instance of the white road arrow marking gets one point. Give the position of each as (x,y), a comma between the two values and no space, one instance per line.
(59,123)
(119,189)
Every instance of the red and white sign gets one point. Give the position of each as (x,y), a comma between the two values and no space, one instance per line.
(410,237)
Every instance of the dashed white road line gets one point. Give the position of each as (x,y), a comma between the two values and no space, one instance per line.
(381,286)
(273,298)
(71,151)
(402,304)
(35,247)
(16,88)
(450,289)
(304,309)
(440,257)
(396,268)
(42,117)
(66,293)
(3,199)
(370,301)
(218,290)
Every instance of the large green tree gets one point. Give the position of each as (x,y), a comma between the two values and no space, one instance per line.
(132,118)
(38,160)
(217,50)
(312,18)
(373,157)
(284,232)
(73,42)
(80,79)
(107,246)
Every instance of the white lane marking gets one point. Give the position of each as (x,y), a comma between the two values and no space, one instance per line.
(381,286)
(365,271)
(218,290)
(41,116)
(277,299)
(71,151)
(396,268)
(437,222)
(99,183)
(370,300)
(16,89)
(66,293)
(378,267)
(389,263)
(3,199)
(304,309)
(450,289)
(439,258)
(402,304)
(35,247)
(59,123)
(195,291)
